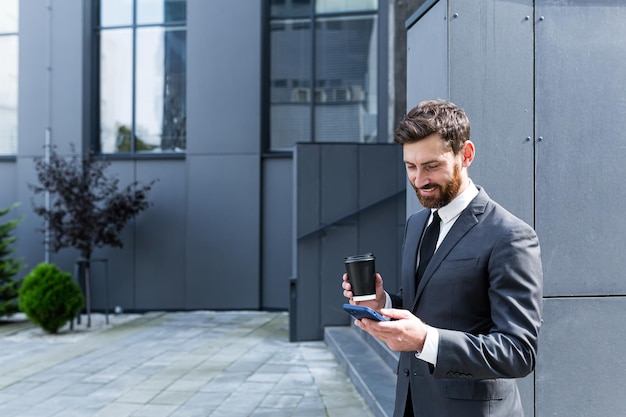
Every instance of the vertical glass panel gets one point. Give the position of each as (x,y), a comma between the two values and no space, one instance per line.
(160,90)
(9,16)
(116,90)
(346,79)
(8,94)
(290,83)
(290,7)
(336,6)
(116,12)
(161,11)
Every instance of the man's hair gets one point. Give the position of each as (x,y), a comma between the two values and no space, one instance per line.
(435,116)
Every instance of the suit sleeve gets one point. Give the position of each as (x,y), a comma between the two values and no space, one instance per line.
(509,348)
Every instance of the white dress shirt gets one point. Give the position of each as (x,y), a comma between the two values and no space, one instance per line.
(449,214)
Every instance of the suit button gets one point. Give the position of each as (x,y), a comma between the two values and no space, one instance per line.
(407,372)
(414,373)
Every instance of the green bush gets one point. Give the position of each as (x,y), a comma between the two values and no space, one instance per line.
(49,297)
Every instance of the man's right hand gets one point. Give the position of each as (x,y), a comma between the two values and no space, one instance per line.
(377,304)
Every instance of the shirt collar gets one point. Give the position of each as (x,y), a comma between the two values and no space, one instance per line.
(456,206)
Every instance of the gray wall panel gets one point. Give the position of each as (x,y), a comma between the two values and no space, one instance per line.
(308,184)
(581,368)
(223,232)
(581,115)
(362,214)
(67,109)
(375,235)
(308,292)
(33,94)
(223,66)
(427,68)
(491,77)
(122,263)
(376,184)
(337,242)
(339,184)
(8,191)
(161,232)
(277,232)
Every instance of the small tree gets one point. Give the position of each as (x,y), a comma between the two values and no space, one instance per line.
(9,266)
(87,208)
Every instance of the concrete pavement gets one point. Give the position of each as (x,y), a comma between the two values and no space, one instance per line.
(175,364)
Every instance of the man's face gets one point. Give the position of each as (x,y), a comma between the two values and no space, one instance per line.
(436,174)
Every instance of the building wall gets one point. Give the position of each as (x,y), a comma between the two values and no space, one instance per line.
(542,86)
(198,246)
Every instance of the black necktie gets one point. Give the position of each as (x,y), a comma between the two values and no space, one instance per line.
(429,242)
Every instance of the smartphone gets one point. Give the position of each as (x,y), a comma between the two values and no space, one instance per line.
(361,312)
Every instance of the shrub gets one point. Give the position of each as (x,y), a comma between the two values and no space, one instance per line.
(9,266)
(49,297)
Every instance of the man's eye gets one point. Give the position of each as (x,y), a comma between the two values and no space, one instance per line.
(432,166)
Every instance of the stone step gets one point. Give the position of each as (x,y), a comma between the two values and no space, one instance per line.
(370,365)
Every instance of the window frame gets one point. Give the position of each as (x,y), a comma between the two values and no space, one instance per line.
(313,16)
(95,142)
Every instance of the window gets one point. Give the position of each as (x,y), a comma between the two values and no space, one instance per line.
(323,71)
(142,76)
(8,76)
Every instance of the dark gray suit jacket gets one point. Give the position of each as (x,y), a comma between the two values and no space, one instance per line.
(483,290)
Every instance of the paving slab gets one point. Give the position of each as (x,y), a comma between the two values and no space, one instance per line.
(172,364)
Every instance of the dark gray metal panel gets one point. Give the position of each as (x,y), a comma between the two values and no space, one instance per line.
(308,184)
(308,307)
(340,184)
(581,117)
(223,66)
(375,183)
(581,369)
(337,242)
(8,191)
(277,233)
(160,276)
(427,68)
(223,232)
(67,109)
(378,234)
(491,78)
(526,387)
(33,88)
(122,263)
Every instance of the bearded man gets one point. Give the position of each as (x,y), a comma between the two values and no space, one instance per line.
(467,318)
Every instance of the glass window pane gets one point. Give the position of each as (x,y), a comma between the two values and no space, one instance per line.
(161,11)
(160,88)
(116,88)
(8,95)
(336,6)
(290,7)
(290,83)
(9,16)
(116,12)
(346,79)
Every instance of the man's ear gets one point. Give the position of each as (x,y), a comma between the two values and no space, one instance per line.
(468,153)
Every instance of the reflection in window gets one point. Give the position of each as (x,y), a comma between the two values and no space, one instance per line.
(8,77)
(143,78)
(323,72)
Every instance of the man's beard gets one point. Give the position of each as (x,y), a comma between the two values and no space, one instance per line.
(446,193)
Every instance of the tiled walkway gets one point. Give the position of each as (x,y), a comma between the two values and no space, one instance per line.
(229,364)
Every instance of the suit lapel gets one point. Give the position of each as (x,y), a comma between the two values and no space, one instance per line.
(467,220)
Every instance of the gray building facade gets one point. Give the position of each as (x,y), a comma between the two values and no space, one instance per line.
(258,213)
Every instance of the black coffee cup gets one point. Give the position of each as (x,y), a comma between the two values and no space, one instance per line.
(362,276)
